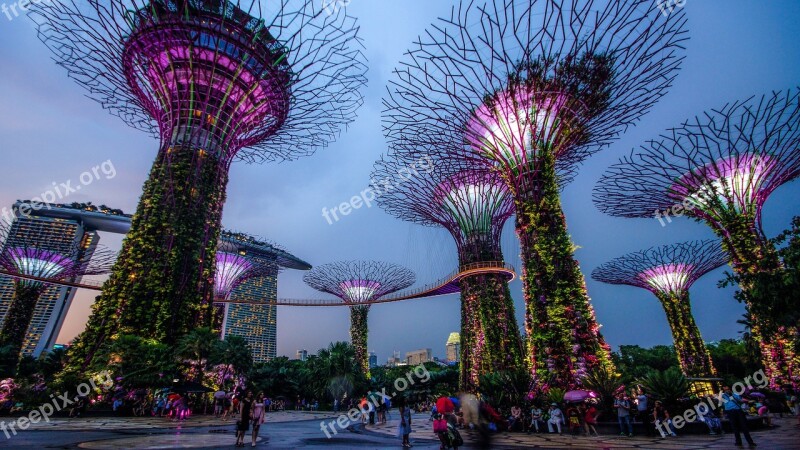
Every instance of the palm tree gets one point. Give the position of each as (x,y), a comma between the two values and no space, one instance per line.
(196,348)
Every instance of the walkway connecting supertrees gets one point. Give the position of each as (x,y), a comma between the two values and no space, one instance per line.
(669,272)
(357,284)
(719,168)
(215,81)
(472,205)
(40,261)
(530,93)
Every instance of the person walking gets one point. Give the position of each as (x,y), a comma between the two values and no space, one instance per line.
(623,407)
(590,415)
(258,416)
(556,418)
(243,424)
(732,403)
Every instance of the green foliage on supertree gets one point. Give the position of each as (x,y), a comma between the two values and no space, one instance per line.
(564,339)
(693,357)
(490,338)
(359,331)
(18,317)
(161,285)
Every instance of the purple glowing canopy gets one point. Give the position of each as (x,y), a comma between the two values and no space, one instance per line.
(669,269)
(359,291)
(255,80)
(725,162)
(359,282)
(39,263)
(231,270)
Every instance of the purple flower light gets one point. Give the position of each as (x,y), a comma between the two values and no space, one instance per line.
(38,263)
(359,291)
(231,271)
(669,278)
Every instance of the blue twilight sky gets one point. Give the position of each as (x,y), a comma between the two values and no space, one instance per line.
(50,132)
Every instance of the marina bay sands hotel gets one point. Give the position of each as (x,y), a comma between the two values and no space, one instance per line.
(63,225)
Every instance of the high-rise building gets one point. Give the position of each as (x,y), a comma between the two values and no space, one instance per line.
(251,312)
(417,357)
(453,347)
(302,355)
(58,228)
(255,322)
(373,360)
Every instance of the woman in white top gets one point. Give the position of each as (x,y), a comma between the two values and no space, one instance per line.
(556,418)
(258,415)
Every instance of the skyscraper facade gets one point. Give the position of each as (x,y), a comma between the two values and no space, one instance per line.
(453,347)
(255,322)
(58,228)
(373,360)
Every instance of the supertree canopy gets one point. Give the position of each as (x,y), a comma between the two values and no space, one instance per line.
(358,284)
(668,272)
(37,262)
(472,205)
(530,93)
(216,81)
(720,168)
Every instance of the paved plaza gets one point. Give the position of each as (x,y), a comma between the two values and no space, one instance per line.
(291,430)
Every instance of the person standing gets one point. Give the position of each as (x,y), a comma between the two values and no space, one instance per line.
(243,424)
(556,418)
(405,422)
(623,407)
(732,403)
(641,407)
(258,416)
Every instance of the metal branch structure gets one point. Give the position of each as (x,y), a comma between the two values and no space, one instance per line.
(530,90)
(719,168)
(56,261)
(669,272)
(357,284)
(215,81)
(472,205)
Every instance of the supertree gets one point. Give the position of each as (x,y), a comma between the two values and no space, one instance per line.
(472,205)
(668,272)
(241,257)
(37,262)
(215,81)
(529,93)
(719,168)
(357,284)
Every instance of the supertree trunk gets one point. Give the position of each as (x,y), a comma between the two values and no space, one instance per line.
(359,331)
(487,318)
(18,317)
(161,285)
(564,339)
(694,359)
(752,253)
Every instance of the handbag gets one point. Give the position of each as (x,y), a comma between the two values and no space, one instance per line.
(439,426)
